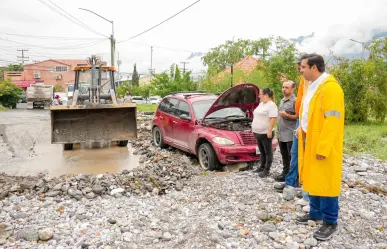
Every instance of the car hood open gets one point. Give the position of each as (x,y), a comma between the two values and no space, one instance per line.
(244,96)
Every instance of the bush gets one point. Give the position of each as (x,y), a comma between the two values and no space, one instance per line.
(9,94)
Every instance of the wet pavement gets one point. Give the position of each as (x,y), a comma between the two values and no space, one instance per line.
(26,149)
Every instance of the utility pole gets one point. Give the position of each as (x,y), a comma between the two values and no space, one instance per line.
(363,46)
(184,62)
(232,74)
(118,69)
(151,70)
(22,58)
(112,40)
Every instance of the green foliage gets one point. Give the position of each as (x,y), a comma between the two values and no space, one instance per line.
(164,83)
(15,67)
(9,94)
(364,84)
(146,108)
(281,61)
(370,138)
(135,77)
(222,56)
(58,88)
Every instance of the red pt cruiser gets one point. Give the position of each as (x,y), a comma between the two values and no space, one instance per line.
(215,129)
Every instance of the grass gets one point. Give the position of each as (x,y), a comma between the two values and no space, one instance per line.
(2,108)
(368,138)
(146,108)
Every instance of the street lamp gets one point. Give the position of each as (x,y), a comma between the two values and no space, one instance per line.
(363,44)
(112,41)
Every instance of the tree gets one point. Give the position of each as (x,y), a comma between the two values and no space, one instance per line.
(9,94)
(135,77)
(164,83)
(222,56)
(58,88)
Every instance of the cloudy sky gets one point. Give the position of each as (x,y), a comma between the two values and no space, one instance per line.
(36,25)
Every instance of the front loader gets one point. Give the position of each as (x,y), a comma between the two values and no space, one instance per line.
(93,115)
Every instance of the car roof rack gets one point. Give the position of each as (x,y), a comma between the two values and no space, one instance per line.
(190,93)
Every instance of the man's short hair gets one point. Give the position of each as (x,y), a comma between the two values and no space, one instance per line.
(317,60)
(292,82)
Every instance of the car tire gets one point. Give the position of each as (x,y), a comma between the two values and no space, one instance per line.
(207,157)
(157,138)
(123,143)
(68,146)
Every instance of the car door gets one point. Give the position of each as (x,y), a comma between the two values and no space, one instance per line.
(183,129)
(167,117)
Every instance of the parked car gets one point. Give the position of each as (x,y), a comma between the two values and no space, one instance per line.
(217,129)
(154,100)
(139,100)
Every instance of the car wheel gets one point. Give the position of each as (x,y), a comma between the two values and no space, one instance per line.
(68,146)
(207,157)
(123,143)
(158,139)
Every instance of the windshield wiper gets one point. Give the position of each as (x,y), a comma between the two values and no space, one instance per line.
(235,116)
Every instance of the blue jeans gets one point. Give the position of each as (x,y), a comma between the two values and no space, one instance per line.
(291,178)
(325,208)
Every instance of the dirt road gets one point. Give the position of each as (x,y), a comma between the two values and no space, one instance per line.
(25,149)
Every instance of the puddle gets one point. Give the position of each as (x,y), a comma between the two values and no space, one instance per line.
(52,159)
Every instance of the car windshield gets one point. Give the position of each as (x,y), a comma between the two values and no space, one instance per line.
(201,108)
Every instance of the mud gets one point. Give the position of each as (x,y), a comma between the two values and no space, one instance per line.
(26,149)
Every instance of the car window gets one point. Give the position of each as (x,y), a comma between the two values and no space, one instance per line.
(201,108)
(169,105)
(184,109)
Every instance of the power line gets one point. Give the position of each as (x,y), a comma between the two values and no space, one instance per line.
(78,22)
(23,58)
(83,45)
(160,22)
(51,37)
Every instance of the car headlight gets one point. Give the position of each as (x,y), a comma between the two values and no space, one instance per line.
(222,141)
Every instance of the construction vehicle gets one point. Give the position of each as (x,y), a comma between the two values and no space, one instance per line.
(39,95)
(93,115)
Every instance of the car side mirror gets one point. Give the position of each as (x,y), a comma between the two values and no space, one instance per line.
(185,117)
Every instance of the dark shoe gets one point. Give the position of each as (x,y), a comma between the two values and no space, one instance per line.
(279,187)
(304,220)
(280,177)
(258,170)
(299,194)
(326,231)
(263,174)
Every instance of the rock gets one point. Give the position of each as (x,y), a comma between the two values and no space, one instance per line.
(72,192)
(289,193)
(167,236)
(264,216)
(360,169)
(117,191)
(90,195)
(268,227)
(14,188)
(57,187)
(46,234)
(52,193)
(65,188)
(97,189)
(30,235)
(310,242)
(311,223)
(18,215)
(3,194)
(381,245)
(112,221)
(274,235)
(179,186)
(6,230)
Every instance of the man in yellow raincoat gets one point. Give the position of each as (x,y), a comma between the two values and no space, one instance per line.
(321,134)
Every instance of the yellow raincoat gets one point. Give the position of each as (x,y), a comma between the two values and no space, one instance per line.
(324,137)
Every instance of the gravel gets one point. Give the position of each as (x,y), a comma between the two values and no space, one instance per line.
(167,202)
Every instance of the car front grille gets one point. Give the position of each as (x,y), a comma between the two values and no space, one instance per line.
(247,138)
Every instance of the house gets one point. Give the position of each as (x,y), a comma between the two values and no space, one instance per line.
(246,65)
(50,72)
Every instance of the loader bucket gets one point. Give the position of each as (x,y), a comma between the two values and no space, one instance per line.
(93,123)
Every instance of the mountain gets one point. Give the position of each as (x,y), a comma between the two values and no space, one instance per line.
(195,54)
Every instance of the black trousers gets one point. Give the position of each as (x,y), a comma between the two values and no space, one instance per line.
(285,148)
(266,149)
